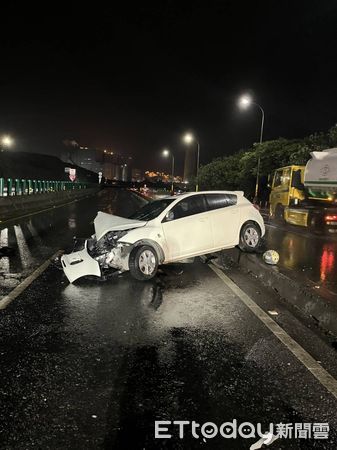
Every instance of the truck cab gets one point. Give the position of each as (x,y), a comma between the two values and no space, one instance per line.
(304,195)
(287,189)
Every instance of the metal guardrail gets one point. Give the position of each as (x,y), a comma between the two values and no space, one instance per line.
(15,186)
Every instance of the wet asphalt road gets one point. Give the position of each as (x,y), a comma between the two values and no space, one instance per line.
(93,365)
(310,258)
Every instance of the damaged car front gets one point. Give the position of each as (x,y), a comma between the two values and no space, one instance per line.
(103,251)
(114,239)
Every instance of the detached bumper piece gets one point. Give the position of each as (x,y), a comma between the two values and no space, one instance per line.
(79,264)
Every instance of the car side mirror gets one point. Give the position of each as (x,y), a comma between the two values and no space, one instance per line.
(169,216)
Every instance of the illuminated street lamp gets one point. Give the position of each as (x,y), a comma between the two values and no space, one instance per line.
(6,142)
(188,138)
(245,101)
(167,153)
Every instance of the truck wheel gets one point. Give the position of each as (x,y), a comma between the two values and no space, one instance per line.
(250,237)
(143,263)
(279,215)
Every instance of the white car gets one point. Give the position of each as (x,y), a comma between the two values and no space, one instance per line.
(167,230)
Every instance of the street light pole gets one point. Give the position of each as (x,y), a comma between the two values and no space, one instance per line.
(198,158)
(244,102)
(167,152)
(172,183)
(258,160)
(188,138)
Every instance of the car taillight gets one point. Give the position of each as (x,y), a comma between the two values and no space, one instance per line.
(331,218)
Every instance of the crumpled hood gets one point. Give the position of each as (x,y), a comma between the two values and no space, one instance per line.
(104,223)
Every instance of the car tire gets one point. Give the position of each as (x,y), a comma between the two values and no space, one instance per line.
(143,262)
(250,237)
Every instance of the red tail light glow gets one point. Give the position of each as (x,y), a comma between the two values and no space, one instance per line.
(332,218)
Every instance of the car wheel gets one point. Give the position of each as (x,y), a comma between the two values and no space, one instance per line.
(250,237)
(143,263)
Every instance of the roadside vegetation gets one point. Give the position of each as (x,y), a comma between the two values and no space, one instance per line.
(238,171)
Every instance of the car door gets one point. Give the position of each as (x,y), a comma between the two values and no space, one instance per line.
(224,216)
(279,194)
(187,228)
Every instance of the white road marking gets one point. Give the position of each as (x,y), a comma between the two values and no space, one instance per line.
(329,382)
(25,255)
(7,299)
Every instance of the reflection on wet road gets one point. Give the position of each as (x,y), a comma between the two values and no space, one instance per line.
(306,256)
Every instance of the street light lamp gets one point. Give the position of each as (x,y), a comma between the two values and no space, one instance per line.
(167,153)
(188,138)
(6,141)
(245,101)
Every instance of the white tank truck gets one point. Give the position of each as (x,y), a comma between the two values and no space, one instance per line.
(307,195)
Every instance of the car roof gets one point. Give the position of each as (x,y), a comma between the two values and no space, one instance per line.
(189,194)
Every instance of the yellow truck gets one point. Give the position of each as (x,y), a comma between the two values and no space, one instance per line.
(307,195)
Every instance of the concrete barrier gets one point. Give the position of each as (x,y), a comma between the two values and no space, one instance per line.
(12,207)
(323,311)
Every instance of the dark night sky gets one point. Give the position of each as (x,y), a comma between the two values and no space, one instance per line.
(134,78)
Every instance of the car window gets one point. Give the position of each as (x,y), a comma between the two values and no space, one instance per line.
(216,201)
(152,210)
(187,207)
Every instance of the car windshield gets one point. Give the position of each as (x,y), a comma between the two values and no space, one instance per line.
(152,209)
